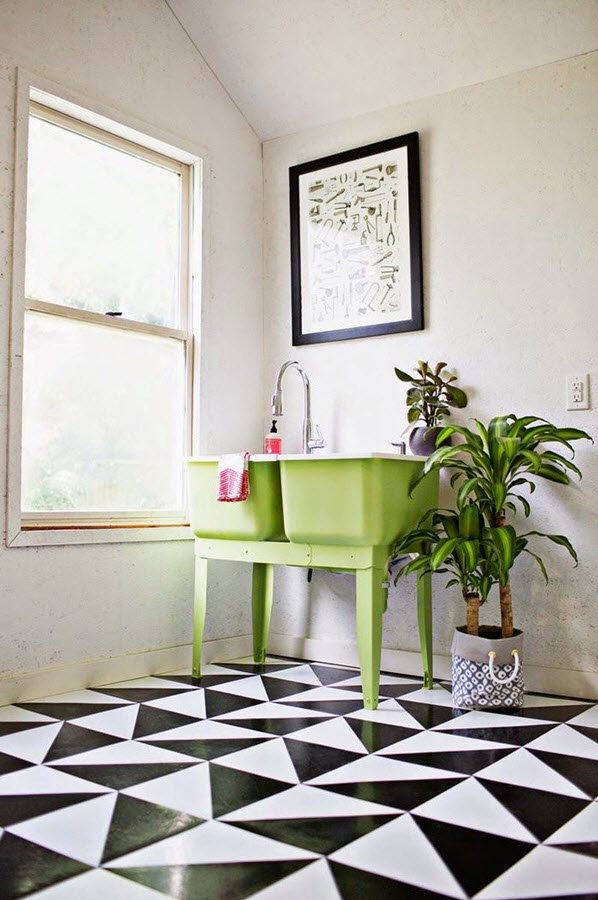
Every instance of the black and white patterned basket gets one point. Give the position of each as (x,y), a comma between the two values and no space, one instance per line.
(487,672)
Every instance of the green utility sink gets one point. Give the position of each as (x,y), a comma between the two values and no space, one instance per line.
(355,500)
(259,518)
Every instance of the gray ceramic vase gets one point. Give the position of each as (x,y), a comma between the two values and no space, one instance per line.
(422,439)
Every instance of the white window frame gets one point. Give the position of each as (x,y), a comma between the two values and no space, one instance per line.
(36,96)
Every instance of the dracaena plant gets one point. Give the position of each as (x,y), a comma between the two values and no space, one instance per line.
(432,394)
(455,544)
(491,467)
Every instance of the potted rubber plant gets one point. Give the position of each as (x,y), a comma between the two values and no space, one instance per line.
(478,547)
(429,399)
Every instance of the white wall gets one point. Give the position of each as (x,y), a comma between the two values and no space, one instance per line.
(64,604)
(509,186)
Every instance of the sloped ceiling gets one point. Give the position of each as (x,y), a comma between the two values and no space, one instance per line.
(293,64)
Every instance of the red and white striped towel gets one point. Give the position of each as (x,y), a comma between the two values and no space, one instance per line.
(233,478)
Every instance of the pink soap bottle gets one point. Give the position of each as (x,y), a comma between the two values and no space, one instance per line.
(273,441)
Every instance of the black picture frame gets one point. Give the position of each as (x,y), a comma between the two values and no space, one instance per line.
(415,322)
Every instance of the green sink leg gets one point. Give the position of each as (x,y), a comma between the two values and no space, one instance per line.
(199,614)
(371,603)
(424,621)
(261,608)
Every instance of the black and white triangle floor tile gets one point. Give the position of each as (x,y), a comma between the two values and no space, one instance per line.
(272,782)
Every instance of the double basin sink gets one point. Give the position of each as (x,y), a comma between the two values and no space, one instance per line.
(355,500)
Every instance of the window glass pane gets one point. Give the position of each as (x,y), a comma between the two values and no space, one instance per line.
(103,227)
(103,418)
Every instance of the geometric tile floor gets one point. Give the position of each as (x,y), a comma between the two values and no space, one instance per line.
(272,782)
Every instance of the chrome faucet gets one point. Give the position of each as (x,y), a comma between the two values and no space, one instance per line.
(312,439)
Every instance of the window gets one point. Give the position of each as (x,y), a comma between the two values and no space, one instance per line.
(107,340)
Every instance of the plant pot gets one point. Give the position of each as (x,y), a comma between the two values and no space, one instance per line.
(422,439)
(487,669)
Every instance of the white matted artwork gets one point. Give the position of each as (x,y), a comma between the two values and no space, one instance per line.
(355,243)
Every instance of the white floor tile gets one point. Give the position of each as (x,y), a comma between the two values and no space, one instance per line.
(97,885)
(191,703)
(119,722)
(387,714)
(582,828)
(251,687)
(399,850)
(545,872)
(435,742)
(313,881)
(32,744)
(270,759)
(332,733)
(269,711)
(122,753)
(470,805)
(77,831)
(379,768)
(566,740)
(213,842)
(43,780)
(187,790)
(304,802)
(526,770)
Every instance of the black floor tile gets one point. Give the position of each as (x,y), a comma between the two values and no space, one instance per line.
(311,760)
(151,720)
(140,695)
(542,812)
(583,773)
(332,674)
(73,739)
(377,735)
(586,849)
(25,867)
(328,707)
(206,749)
(518,735)
(232,789)
(279,727)
(430,714)
(16,808)
(219,703)
(66,711)
(474,857)
(7,728)
(591,733)
(124,775)
(10,764)
(355,884)
(137,823)
(468,762)
(258,668)
(227,881)
(278,688)
(320,835)
(401,795)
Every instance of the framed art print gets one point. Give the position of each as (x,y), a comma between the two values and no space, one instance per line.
(356,266)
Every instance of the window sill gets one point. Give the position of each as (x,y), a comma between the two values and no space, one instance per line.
(57,535)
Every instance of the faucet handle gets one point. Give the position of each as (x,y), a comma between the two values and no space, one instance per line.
(317,442)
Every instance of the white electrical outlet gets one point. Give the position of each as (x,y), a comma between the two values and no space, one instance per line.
(578,392)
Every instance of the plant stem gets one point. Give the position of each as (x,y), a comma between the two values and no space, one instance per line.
(506,609)
(473,612)
(504,590)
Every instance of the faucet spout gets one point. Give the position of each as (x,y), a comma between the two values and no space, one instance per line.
(311,438)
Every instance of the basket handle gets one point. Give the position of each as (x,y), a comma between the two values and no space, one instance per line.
(512,677)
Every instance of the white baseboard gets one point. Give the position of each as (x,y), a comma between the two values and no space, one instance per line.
(564,682)
(93,673)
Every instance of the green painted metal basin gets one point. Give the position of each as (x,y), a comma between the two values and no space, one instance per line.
(259,518)
(358,500)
